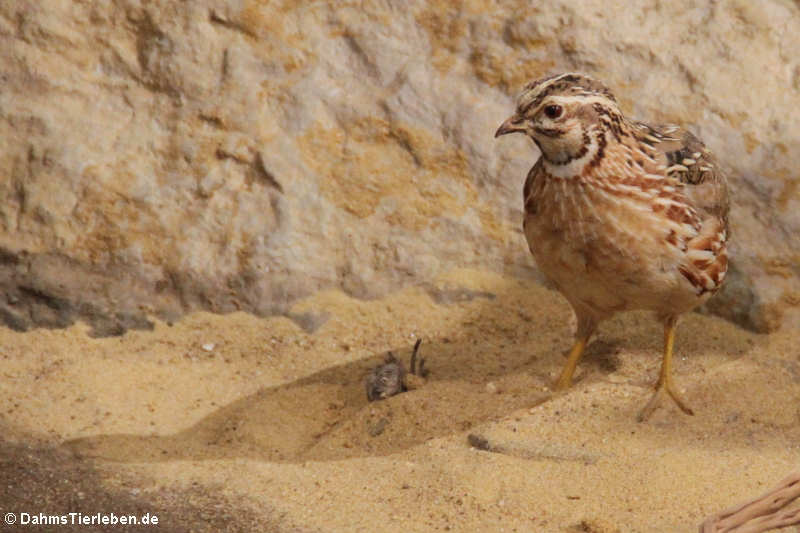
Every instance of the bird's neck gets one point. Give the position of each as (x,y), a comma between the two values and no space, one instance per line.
(569,158)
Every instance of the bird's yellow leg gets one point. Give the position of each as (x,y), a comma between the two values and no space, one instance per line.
(565,379)
(665,383)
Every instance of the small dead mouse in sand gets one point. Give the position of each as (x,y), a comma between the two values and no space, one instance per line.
(391,377)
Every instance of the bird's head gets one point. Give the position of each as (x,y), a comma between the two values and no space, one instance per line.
(559,112)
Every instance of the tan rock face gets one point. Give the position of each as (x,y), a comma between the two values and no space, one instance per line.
(164,157)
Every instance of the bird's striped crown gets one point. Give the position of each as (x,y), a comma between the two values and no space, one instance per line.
(567,84)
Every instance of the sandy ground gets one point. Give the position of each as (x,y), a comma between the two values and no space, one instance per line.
(242,423)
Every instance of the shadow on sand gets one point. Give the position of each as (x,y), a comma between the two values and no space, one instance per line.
(326,416)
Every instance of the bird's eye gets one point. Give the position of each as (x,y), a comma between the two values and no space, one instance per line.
(553,111)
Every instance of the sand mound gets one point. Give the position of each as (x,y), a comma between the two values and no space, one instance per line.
(271,414)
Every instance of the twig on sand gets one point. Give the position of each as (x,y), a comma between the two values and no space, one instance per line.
(761,514)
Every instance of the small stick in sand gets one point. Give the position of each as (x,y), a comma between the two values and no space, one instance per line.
(761,514)
(421,371)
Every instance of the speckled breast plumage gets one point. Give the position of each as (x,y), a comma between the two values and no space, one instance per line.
(621,231)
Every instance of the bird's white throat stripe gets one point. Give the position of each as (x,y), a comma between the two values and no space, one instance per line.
(574,168)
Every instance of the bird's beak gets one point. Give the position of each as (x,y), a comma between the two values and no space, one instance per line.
(514,123)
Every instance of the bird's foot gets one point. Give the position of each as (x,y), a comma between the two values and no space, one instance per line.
(562,383)
(662,389)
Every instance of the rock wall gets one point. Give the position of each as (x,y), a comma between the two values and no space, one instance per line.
(160,157)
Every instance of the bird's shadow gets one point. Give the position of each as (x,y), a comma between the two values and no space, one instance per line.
(326,416)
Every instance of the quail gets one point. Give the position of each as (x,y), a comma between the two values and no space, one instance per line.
(619,214)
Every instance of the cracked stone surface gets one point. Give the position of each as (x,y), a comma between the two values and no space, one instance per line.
(159,158)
